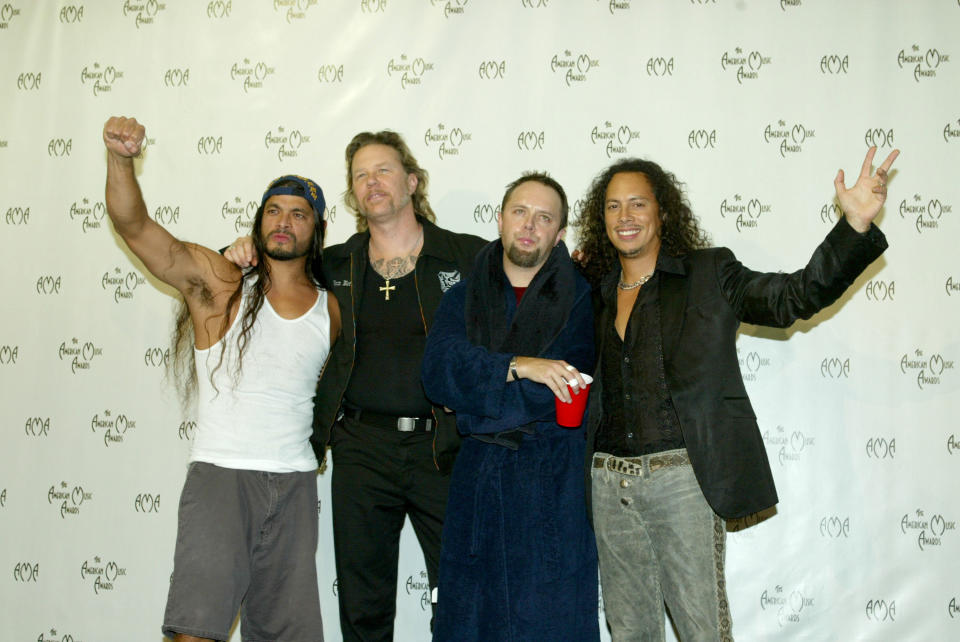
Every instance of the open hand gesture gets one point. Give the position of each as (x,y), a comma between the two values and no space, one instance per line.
(862,202)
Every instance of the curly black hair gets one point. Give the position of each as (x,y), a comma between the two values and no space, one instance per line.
(680,230)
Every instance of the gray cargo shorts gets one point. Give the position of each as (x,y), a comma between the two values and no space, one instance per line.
(246,540)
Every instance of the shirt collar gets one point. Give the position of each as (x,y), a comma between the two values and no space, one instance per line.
(665,263)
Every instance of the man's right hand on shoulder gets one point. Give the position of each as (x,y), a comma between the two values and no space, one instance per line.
(124,137)
(241,252)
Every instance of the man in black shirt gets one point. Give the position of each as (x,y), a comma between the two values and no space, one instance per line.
(673,446)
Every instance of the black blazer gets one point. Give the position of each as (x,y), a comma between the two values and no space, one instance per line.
(704,296)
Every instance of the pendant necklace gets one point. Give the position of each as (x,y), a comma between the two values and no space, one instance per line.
(387,288)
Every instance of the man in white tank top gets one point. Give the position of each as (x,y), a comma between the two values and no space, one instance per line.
(247,531)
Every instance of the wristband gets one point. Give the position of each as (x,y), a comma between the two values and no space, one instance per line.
(513,369)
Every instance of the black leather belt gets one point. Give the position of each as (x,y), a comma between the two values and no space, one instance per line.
(390,422)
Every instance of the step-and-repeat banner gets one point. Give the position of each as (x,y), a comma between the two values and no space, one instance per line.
(753,104)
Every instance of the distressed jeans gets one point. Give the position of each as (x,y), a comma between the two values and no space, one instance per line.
(658,542)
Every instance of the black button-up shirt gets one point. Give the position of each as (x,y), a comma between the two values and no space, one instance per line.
(639,417)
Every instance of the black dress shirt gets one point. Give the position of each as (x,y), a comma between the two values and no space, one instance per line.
(639,417)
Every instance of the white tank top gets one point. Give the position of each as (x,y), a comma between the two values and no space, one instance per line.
(263,420)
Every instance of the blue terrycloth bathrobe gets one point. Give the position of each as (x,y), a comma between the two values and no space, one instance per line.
(518,559)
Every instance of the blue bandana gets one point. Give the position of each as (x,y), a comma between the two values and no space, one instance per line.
(307,189)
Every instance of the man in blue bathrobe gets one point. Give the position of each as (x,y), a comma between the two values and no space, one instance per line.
(518,559)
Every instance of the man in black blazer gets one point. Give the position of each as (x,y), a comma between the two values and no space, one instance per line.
(673,447)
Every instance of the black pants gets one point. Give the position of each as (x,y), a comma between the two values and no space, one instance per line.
(379,478)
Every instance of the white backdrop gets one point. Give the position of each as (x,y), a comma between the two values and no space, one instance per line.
(754,104)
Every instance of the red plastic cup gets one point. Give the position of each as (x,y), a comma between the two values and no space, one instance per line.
(570,415)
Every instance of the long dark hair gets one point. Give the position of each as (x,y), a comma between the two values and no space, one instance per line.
(182,364)
(680,231)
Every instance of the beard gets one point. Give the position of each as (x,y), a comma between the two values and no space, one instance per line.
(281,253)
(522,258)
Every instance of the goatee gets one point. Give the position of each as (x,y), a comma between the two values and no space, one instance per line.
(523,259)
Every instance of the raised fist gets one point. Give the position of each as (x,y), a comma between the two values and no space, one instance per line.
(124,136)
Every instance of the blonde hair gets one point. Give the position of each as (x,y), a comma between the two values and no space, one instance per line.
(392,139)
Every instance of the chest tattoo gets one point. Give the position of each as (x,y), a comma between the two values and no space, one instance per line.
(396,267)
